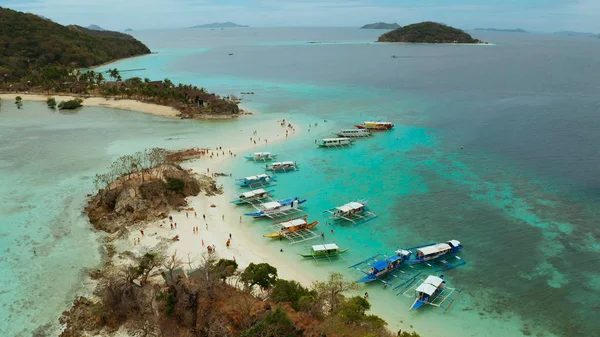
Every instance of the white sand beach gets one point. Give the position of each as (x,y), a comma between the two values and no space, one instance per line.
(123,104)
(220,222)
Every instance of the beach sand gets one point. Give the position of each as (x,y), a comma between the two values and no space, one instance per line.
(123,104)
(221,221)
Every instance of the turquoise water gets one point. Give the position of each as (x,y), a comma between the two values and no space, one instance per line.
(521,194)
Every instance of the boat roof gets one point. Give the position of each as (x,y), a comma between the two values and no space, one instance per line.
(340,138)
(262,175)
(393,258)
(380,265)
(251,178)
(378,122)
(430,285)
(354,130)
(350,206)
(434,249)
(261,153)
(271,204)
(327,246)
(455,243)
(293,223)
(253,193)
(288,163)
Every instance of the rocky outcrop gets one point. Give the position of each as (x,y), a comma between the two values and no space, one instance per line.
(132,199)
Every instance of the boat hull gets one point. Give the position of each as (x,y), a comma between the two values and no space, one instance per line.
(325,254)
(285,207)
(277,235)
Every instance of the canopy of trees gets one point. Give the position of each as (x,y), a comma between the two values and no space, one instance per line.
(427,32)
(29,42)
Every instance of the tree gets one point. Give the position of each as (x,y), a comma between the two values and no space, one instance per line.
(330,292)
(51,102)
(171,264)
(353,310)
(71,104)
(262,274)
(291,292)
(148,263)
(225,268)
(274,324)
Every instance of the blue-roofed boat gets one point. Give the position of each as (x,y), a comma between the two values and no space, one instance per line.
(383,267)
(279,207)
(261,179)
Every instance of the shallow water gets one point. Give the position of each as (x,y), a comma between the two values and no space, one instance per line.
(521,195)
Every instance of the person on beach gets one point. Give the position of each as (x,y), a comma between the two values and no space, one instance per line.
(170,218)
(229,236)
(171,226)
(186,215)
(195,215)
(223,217)
(228,243)
(35,253)
(142,231)
(323,235)
(196,229)
(206,226)
(176,225)
(138,241)
(202,243)
(214,248)
(240,219)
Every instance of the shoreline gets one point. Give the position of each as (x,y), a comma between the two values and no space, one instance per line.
(95,101)
(222,220)
(118,60)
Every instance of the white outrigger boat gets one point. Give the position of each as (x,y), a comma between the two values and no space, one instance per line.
(334,142)
(355,212)
(354,133)
(257,180)
(252,196)
(274,209)
(284,166)
(261,156)
(431,291)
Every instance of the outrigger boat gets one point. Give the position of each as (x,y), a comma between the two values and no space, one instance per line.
(432,291)
(355,212)
(334,142)
(325,251)
(251,196)
(291,226)
(382,268)
(434,251)
(354,133)
(261,179)
(273,208)
(375,126)
(261,156)
(282,166)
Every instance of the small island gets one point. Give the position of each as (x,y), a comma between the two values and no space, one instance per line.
(96,27)
(381,25)
(427,32)
(517,30)
(220,25)
(129,30)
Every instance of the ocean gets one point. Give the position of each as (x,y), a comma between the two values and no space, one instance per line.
(494,146)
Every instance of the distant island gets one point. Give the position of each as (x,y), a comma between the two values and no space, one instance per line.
(580,34)
(517,30)
(95,27)
(427,32)
(220,25)
(129,30)
(381,25)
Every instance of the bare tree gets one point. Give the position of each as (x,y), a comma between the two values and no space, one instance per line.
(171,264)
(190,262)
(330,292)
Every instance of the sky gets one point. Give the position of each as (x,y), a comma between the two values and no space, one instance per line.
(535,15)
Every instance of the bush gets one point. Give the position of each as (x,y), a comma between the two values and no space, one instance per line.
(70,105)
(174,184)
(291,292)
(51,102)
(18,99)
(275,324)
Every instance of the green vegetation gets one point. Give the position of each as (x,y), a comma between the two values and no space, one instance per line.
(31,43)
(174,184)
(51,102)
(274,324)
(70,105)
(427,32)
(291,292)
(262,274)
